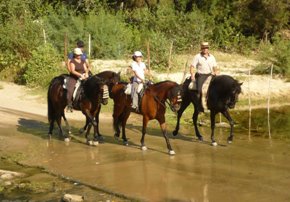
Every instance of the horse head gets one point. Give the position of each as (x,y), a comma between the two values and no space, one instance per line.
(174,96)
(234,95)
(111,78)
(96,88)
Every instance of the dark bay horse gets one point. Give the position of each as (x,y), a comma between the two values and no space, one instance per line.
(223,92)
(111,78)
(94,92)
(152,107)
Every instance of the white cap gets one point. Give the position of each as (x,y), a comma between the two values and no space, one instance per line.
(137,54)
(78,51)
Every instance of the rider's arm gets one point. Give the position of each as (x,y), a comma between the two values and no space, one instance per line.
(69,58)
(86,70)
(88,65)
(215,70)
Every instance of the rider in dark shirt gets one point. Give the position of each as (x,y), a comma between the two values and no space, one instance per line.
(78,70)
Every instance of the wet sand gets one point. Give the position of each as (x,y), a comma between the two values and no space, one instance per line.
(253,169)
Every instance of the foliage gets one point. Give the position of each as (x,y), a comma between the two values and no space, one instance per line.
(276,54)
(111,37)
(42,67)
(119,27)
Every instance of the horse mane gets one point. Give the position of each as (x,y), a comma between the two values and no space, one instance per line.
(161,83)
(90,85)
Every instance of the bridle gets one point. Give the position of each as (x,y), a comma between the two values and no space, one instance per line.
(171,105)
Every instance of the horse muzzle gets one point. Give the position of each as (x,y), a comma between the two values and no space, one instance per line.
(175,107)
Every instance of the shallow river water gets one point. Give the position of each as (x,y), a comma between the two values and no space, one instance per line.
(253,168)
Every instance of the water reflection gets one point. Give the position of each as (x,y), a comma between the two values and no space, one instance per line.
(276,125)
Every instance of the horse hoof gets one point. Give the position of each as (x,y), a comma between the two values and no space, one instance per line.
(214,144)
(69,132)
(174,133)
(100,138)
(90,142)
(81,131)
(49,136)
(144,148)
(126,143)
(200,139)
(171,152)
(116,137)
(230,141)
(66,139)
(95,143)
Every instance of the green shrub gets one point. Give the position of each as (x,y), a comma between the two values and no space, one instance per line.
(276,54)
(43,66)
(111,37)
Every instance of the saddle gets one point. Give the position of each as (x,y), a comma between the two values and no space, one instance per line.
(193,86)
(140,91)
(78,91)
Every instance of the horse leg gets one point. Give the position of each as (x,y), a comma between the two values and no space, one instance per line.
(97,134)
(85,127)
(164,132)
(229,118)
(66,123)
(194,119)
(91,120)
(212,124)
(89,142)
(183,106)
(125,117)
(117,115)
(51,126)
(58,121)
(145,122)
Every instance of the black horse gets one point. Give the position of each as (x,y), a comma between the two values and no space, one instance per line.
(94,92)
(111,78)
(222,95)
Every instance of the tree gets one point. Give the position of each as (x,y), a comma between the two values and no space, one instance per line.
(262,18)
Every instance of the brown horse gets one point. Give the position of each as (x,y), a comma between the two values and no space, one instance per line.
(111,78)
(152,107)
(94,92)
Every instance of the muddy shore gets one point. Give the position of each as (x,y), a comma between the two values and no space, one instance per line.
(251,169)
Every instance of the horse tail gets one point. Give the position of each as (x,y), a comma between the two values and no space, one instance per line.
(50,111)
(51,93)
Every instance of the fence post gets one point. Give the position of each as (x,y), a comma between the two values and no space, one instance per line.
(169,59)
(89,46)
(268,104)
(65,48)
(250,107)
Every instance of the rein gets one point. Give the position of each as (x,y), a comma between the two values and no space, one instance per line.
(158,100)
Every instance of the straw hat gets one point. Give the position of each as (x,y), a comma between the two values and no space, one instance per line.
(137,54)
(204,44)
(78,51)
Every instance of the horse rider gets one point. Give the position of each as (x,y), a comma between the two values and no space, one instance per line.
(80,44)
(203,65)
(139,69)
(78,70)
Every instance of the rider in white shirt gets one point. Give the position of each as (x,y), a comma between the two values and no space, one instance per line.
(139,69)
(203,65)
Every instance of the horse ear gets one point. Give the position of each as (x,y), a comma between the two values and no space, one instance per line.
(119,73)
(241,83)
